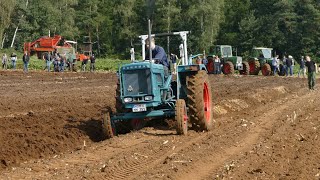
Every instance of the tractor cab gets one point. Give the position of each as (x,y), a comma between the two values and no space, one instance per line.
(262,54)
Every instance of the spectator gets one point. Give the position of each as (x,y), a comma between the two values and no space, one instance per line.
(47,57)
(198,60)
(84,63)
(302,69)
(4,61)
(173,59)
(92,63)
(70,61)
(217,65)
(311,72)
(14,60)
(275,64)
(62,63)
(132,54)
(25,60)
(204,61)
(56,62)
(289,63)
(284,63)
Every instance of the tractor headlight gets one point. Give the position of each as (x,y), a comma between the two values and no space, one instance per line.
(148,98)
(127,100)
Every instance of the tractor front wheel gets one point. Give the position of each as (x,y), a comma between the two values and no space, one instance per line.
(107,128)
(181,117)
(228,68)
(246,68)
(137,124)
(266,69)
(199,101)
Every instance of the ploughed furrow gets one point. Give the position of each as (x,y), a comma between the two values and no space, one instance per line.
(137,163)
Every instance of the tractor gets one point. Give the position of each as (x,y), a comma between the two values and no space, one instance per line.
(144,92)
(261,59)
(230,63)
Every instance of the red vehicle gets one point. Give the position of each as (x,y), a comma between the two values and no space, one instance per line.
(49,44)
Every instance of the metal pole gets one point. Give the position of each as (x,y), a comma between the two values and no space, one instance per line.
(150,50)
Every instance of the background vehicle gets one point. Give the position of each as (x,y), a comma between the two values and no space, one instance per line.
(261,59)
(230,63)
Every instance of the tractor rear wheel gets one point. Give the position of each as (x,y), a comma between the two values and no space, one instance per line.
(199,101)
(266,69)
(107,128)
(210,65)
(246,68)
(181,117)
(228,68)
(254,67)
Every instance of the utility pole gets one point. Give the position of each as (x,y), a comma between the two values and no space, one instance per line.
(168,38)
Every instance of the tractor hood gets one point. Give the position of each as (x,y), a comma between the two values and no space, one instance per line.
(141,65)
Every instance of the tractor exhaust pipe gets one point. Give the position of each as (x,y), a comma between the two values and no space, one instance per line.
(149,34)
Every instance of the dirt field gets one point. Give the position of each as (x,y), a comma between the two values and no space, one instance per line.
(265,128)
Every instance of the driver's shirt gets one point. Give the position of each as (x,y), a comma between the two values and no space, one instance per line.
(159,54)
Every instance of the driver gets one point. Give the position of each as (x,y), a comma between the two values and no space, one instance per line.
(158,54)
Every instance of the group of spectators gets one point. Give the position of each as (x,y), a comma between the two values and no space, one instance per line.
(60,62)
(287,65)
(305,64)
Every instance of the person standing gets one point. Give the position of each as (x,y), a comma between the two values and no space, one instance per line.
(25,60)
(47,58)
(4,61)
(132,54)
(311,72)
(217,65)
(173,59)
(70,61)
(302,69)
(84,63)
(92,63)
(14,60)
(289,63)
(275,64)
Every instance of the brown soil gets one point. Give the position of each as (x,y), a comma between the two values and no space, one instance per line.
(265,128)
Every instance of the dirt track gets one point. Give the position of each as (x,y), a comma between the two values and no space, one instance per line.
(265,128)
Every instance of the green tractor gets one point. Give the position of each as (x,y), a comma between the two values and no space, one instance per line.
(144,92)
(230,63)
(261,59)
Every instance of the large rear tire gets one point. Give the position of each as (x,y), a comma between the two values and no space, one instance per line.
(181,117)
(228,68)
(200,101)
(266,70)
(246,69)
(254,67)
(107,128)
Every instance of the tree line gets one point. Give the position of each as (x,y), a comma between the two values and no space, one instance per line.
(288,26)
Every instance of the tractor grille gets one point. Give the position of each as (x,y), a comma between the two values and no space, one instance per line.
(137,81)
